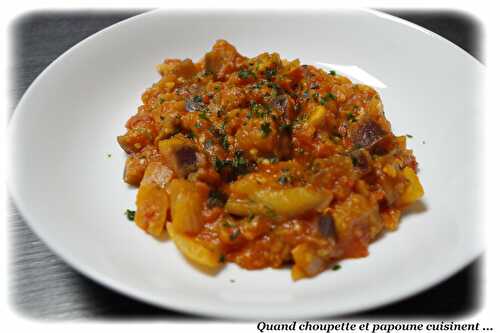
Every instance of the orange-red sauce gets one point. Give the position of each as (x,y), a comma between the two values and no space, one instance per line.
(241,130)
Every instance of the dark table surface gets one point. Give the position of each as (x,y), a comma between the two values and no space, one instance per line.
(42,286)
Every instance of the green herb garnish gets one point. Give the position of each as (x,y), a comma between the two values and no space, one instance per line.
(245,74)
(235,234)
(225,142)
(351,117)
(330,96)
(332,72)
(283,179)
(274,159)
(130,214)
(269,73)
(216,198)
(336,267)
(265,129)
(203,115)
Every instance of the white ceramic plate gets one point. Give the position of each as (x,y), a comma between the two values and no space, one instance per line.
(73,197)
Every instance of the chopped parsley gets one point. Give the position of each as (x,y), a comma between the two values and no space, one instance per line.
(269,73)
(222,258)
(283,179)
(273,85)
(230,169)
(130,214)
(203,115)
(239,162)
(225,142)
(336,267)
(265,128)
(208,144)
(274,159)
(235,234)
(198,99)
(330,96)
(409,136)
(257,110)
(245,74)
(219,164)
(332,73)
(351,117)
(216,198)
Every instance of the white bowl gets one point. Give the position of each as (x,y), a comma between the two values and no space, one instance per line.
(72,195)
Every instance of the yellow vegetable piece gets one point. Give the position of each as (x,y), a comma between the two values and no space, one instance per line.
(192,249)
(152,199)
(251,183)
(152,205)
(291,202)
(357,212)
(186,204)
(259,199)
(317,116)
(307,261)
(297,273)
(414,190)
(245,207)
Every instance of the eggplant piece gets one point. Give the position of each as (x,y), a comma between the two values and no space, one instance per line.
(186,156)
(326,225)
(368,134)
(180,155)
(195,104)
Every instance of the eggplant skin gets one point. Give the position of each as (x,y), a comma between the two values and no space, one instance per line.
(368,134)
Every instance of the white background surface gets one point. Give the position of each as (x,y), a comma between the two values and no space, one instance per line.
(489,163)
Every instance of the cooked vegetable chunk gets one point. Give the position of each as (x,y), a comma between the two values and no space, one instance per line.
(180,154)
(193,250)
(152,199)
(186,206)
(293,202)
(307,262)
(414,191)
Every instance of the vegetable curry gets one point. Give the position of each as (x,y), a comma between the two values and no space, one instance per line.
(265,162)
